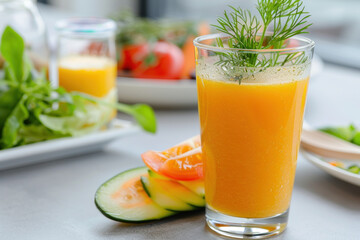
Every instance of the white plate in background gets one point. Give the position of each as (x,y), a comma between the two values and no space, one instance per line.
(172,93)
(158,93)
(65,147)
(339,173)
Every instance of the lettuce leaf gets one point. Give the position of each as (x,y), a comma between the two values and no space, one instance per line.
(83,121)
(345,133)
(37,133)
(9,98)
(349,133)
(13,123)
(12,50)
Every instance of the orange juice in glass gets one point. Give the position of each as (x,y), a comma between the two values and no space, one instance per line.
(86,59)
(93,75)
(251,121)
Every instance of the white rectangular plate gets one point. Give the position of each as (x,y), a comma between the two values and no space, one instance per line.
(64,147)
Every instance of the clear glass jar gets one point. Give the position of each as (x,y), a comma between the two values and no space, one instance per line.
(86,58)
(24,17)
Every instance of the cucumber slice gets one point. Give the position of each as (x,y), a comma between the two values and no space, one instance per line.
(196,186)
(180,191)
(156,175)
(158,192)
(122,198)
(177,190)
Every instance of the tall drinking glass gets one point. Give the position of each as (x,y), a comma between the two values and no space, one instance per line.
(251,115)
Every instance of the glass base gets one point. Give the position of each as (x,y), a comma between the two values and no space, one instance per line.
(249,228)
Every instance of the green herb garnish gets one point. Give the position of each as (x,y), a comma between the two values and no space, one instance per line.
(278,21)
(31,110)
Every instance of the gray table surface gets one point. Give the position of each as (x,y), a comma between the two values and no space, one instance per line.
(54,200)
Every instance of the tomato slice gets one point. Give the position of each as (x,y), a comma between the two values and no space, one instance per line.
(181,162)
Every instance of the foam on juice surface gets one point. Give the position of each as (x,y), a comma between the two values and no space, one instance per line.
(207,69)
(85,62)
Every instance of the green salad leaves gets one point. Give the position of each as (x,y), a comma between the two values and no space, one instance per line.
(31,110)
(349,133)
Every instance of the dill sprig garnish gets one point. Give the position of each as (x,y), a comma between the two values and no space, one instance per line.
(278,21)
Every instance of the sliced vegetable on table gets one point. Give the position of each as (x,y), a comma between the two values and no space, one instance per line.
(177,189)
(122,198)
(158,191)
(196,186)
(182,162)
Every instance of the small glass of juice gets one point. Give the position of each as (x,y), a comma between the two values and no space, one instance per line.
(86,59)
(251,116)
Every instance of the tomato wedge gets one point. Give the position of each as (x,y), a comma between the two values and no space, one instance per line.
(181,162)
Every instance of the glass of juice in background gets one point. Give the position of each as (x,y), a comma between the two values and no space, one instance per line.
(251,121)
(86,60)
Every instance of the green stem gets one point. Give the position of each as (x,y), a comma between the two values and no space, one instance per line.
(143,114)
(263,36)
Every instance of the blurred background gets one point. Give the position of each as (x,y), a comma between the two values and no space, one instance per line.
(336,23)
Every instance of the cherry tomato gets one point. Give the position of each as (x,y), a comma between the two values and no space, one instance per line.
(162,60)
(132,55)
